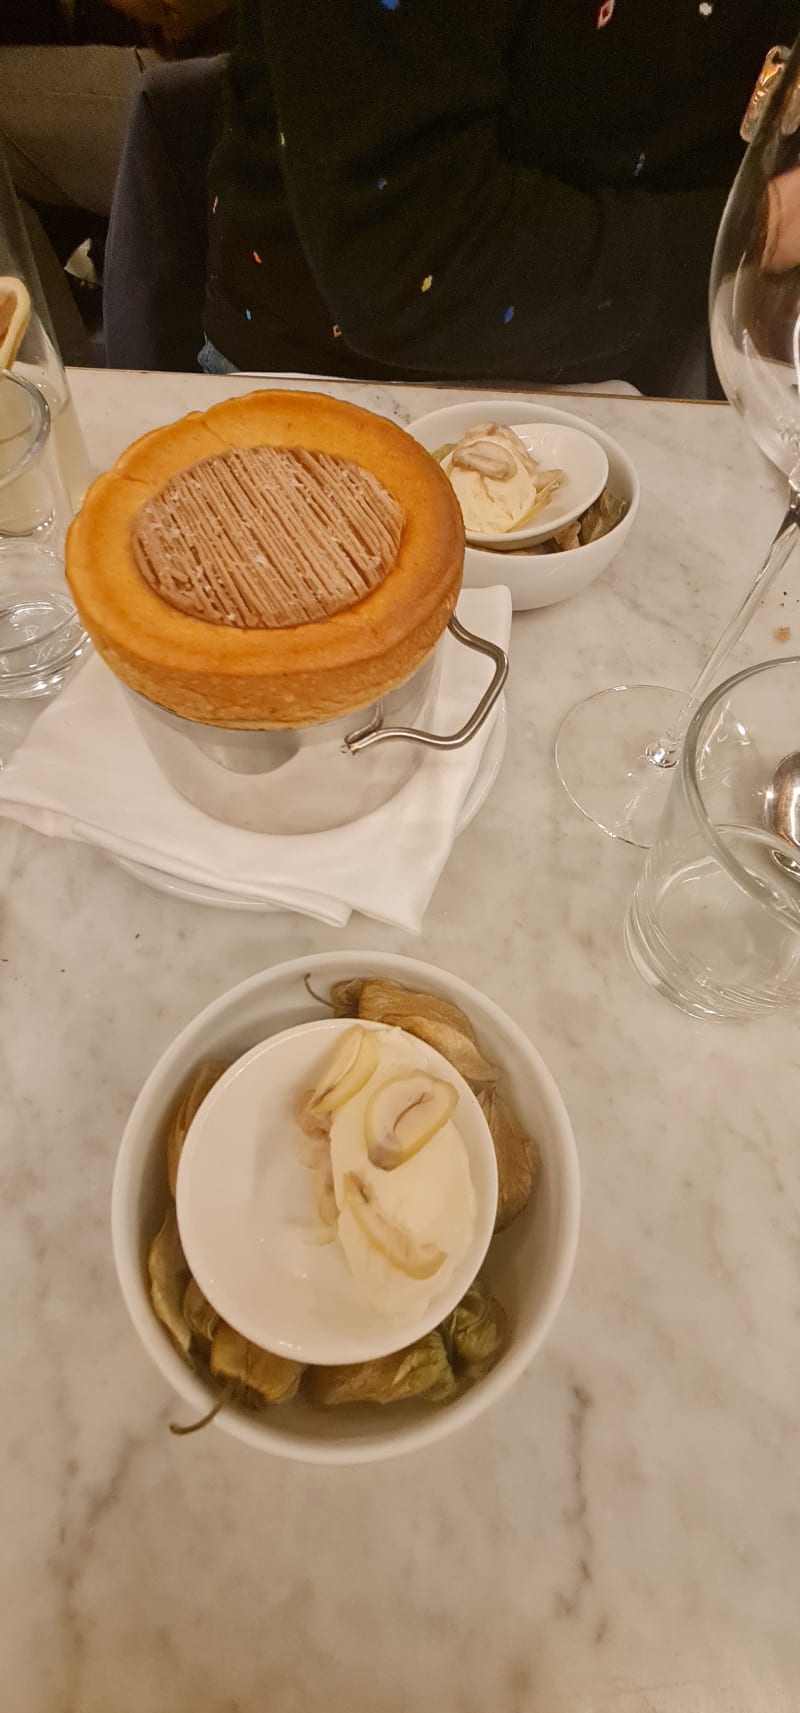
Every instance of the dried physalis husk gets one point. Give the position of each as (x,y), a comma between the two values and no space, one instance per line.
(421,1370)
(475,1333)
(517,1157)
(206,1075)
(244,1374)
(202,1320)
(568,537)
(598,520)
(168,1272)
(378,996)
(443,1384)
(601,517)
(274,1378)
(345,996)
(436,1021)
(547,481)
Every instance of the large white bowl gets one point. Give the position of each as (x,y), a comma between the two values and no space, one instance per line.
(528,1266)
(536,579)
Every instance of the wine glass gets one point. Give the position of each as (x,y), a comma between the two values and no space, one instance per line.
(615,752)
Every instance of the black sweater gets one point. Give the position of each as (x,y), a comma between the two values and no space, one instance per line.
(488,189)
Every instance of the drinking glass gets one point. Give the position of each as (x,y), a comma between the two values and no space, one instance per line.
(617,751)
(41,636)
(37,357)
(714,921)
(27,489)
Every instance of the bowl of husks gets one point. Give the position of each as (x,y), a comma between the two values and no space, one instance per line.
(559,565)
(417,1394)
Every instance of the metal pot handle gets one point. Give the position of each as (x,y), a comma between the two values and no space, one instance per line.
(375,733)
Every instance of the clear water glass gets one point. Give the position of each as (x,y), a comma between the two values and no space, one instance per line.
(714,922)
(28,490)
(41,637)
(37,359)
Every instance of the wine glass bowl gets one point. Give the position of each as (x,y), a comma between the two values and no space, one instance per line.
(613,760)
(754,295)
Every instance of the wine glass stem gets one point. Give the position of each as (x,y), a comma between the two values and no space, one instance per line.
(665,752)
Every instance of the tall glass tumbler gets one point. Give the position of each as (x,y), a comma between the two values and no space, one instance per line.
(41,637)
(714,921)
(28,491)
(36,356)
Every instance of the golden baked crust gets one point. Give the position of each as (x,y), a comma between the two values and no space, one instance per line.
(295,675)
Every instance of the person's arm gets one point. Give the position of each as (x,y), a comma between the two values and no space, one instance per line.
(781,248)
(432,249)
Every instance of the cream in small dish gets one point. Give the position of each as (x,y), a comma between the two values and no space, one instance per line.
(542,572)
(337,1192)
(522,483)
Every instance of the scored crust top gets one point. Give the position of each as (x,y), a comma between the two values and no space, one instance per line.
(209,544)
(299,671)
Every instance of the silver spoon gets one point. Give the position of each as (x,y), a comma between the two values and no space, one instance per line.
(782,808)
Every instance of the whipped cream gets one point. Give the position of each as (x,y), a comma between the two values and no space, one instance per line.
(494,478)
(429,1196)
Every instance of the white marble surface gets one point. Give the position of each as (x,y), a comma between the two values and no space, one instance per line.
(622,1535)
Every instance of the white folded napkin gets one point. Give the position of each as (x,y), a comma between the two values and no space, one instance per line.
(84,772)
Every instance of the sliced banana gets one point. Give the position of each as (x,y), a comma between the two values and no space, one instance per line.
(350,1067)
(324,1229)
(417,1259)
(15,313)
(403,1114)
(314,1124)
(485,459)
(326,1200)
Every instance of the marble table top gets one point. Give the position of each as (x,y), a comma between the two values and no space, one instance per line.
(622,1533)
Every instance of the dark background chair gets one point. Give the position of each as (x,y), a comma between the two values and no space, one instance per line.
(154,277)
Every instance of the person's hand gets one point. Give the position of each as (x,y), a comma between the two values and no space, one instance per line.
(175,20)
(782,240)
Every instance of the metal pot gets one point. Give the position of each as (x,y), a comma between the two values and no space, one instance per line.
(307,779)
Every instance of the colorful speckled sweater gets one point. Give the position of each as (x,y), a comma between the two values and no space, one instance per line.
(487,189)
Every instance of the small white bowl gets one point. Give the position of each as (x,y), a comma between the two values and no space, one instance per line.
(247,1217)
(536,579)
(584,465)
(528,1266)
